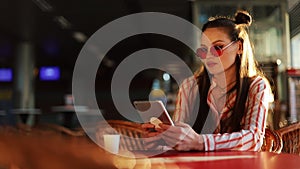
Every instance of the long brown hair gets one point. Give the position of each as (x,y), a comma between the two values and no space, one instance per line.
(246,70)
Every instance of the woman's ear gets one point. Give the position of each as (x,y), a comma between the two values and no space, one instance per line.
(240,49)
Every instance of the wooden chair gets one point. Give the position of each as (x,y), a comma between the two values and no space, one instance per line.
(130,132)
(291,138)
(272,141)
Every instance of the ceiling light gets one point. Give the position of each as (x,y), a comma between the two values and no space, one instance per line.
(63,22)
(43,5)
(79,36)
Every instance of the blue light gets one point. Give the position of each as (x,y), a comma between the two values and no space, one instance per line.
(49,73)
(6,74)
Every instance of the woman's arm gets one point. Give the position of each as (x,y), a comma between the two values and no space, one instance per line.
(250,138)
(186,98)
(181,137)
(185,102)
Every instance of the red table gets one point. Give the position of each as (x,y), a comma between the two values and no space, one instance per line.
(223,160)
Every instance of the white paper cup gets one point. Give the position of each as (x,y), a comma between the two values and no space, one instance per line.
(111,143)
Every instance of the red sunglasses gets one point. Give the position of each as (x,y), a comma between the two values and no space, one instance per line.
(216,51)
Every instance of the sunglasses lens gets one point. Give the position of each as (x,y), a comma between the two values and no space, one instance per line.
(216,51)
(202,52)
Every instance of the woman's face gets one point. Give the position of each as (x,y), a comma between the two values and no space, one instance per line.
(217,37)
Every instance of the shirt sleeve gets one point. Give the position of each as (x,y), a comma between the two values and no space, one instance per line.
(185,100)
(250,138)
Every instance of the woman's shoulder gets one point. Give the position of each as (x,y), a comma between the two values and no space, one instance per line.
(259,82)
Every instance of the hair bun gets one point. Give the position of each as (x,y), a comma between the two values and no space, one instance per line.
(243,17)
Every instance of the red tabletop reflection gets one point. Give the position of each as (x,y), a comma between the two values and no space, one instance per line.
(225,160)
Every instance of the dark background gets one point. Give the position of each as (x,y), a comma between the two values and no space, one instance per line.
(50,26)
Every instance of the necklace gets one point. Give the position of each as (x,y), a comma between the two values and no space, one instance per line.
(223,90)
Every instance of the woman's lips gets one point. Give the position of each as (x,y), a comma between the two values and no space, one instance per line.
(211,64)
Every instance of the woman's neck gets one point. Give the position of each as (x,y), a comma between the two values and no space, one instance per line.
(226,78)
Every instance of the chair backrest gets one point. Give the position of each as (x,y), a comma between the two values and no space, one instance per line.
(291,138)
(130,132)
(272,141)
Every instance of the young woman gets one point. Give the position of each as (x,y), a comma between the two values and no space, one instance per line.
(233,93)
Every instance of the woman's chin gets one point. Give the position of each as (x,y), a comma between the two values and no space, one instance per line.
(215,71)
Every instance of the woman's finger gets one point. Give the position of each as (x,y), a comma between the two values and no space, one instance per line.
(164,127)
(172,129)
(174,136)
(153,142)
(171,142)
(182,147)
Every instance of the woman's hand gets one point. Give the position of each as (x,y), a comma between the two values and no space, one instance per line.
(181,137)
(152,137)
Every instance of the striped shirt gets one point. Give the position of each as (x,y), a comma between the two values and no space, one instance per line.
(250,137)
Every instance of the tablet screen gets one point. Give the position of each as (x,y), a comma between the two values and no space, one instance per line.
(150,109)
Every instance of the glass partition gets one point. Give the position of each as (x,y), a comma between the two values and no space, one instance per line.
(295,51)
(268,31)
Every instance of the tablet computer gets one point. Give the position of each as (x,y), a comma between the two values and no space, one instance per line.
(153,112)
